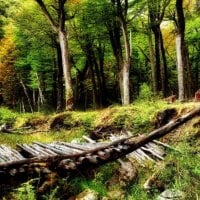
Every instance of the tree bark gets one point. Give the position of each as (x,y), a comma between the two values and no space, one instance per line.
(156,14)
(101,50)
(152,62)
(27,95)
(163,70)
(180,68)
(127,61)
(114,33)
(66,69)
(180,49)
(60,29)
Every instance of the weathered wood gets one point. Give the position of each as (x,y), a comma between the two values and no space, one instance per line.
(152,152)
(102,152)
(164,145)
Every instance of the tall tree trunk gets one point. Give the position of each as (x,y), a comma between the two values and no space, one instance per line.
(157,58)
(163,69)
(66,69)
(152,62)
(180,49)
(190,84)
(102,75)
(94,86)
(180,68)
(126,67)
(114,33)
(60,28)
(156,13)
(122,14)
(59,80)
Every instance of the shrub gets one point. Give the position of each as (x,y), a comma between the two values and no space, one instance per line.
(145,92)
(26,191)
(7,116)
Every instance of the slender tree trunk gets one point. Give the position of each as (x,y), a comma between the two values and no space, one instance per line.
(94,86)
(122,14)
(157,58)
(126,67)
(59,80)
(190,83)
(180,50)
(27,95)
(66,69)
(180,68)
(34,99)
(156,14)
(163,69)
(102,75)
(114,33)
(152,62)
(40,93)
(54,84)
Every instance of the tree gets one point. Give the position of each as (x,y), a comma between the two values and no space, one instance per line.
(184,71)
(37,63)
(59,28)
(159,70)
(117,24)
(9,83)
(125,71)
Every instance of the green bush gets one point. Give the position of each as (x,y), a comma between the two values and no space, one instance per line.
(7,116)
(145,93)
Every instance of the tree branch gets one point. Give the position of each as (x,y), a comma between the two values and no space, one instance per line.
(47,14)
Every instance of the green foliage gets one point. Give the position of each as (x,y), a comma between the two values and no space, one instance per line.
(80,184)
(145,93)
(7,116)
(26,191)
(96,183)
(53,194)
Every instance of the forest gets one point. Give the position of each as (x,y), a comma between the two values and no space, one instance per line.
(98,79)
(65,55)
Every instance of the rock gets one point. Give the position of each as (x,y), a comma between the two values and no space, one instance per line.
(171,194)
(87,195)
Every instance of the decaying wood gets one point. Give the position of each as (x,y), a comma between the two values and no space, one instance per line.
(57,156)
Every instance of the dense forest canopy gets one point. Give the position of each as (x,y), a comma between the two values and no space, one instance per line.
(79,54)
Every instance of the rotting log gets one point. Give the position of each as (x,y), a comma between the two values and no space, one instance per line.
(117,149)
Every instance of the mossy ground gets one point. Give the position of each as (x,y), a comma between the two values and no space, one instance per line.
(183,167)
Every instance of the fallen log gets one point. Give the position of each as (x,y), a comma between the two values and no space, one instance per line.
(131,144)
(160,132)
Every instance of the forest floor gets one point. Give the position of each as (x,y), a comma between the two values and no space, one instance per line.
(180,170)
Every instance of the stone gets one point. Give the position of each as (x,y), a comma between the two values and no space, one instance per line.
(87,195)
(171,194)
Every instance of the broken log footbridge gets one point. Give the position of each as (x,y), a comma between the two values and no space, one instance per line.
(62,157)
